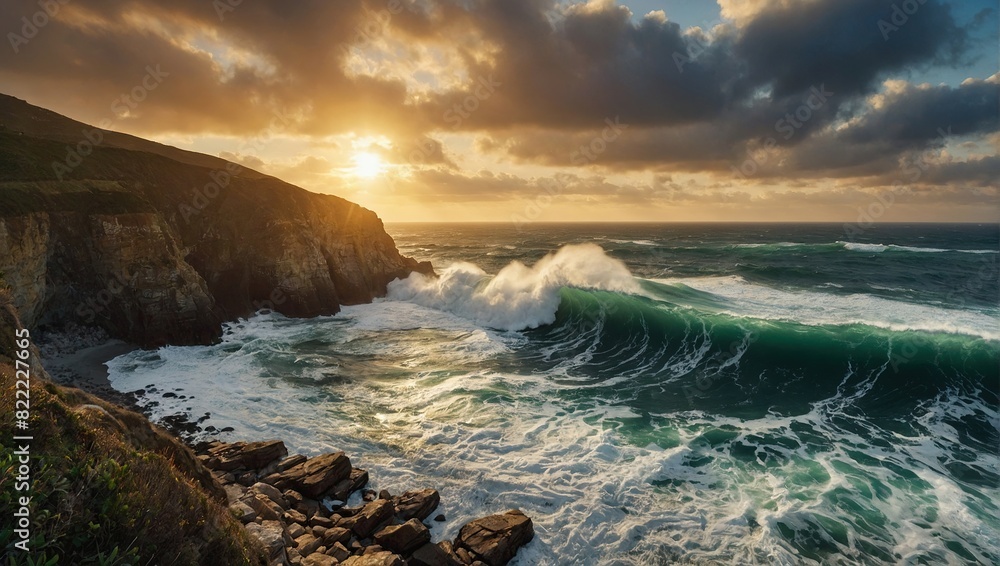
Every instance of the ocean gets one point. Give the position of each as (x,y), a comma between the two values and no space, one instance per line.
(650,394)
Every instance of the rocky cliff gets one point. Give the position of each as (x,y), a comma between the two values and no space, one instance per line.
(158,245)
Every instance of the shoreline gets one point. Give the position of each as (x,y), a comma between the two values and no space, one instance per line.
(86,369)
(296,507)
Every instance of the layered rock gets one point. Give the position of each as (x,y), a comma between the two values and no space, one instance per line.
(384,531)
(495,539)
(156,247)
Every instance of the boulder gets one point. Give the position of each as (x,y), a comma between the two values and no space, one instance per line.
(243,512)
(264,507)
(271,493)
(344,488)
(290,462)
(307,544)
(416,504)
(336,535)
(319,560)
(319,521)
(384,558)
(244,455)
(339,552)
(495,539)
(403,539)
(293,516)
(296,530)
(371,517)
(308,507)
(271,536)
(316,476)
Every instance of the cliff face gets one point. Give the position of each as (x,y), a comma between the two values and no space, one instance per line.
(158,251)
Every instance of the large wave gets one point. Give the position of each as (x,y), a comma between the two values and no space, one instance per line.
(518,297)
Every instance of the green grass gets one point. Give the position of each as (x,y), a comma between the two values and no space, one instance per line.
(106,488)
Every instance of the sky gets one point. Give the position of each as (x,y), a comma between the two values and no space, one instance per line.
(544,110)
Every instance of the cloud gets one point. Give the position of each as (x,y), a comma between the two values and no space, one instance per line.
(533,81)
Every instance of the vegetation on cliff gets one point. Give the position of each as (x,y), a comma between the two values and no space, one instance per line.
(107,487)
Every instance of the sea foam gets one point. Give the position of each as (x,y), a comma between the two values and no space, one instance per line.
(518,297)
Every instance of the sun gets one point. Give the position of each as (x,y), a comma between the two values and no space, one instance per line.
(368,165)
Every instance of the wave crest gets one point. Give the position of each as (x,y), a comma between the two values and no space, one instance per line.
(518,297)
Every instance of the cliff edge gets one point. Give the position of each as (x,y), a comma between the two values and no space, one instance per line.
(158,245)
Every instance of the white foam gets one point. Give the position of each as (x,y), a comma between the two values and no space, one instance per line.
(636,242)
(741,298)
(417,414)
(775,244)
(879,248)
(518,297)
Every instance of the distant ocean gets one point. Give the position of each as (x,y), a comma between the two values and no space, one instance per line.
(650,394)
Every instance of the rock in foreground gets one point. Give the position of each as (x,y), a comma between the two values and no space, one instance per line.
(283,504)
(495,539)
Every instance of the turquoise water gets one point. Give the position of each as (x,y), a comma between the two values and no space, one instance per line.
(650,394)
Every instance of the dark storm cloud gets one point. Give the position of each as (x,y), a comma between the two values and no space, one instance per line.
(916,115)
(593,62)
(696,104)
(229,70)
(692,100)
(846,44)
(908,123)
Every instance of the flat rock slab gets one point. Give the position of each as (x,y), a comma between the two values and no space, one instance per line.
(316,476)
(371,517)
(416,504)
(495,539)
(403,539)
(434,555)
(244,455)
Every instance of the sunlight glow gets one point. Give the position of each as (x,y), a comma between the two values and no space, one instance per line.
(368,165)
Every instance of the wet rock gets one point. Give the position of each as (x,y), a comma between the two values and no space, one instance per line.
(440,518)
(416,504)
(245,455)
(371,517)
(495,539)
(316,476)
(403,539)
(384,494)
(344,488)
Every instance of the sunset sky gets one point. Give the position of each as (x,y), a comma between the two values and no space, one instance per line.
(462,110)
